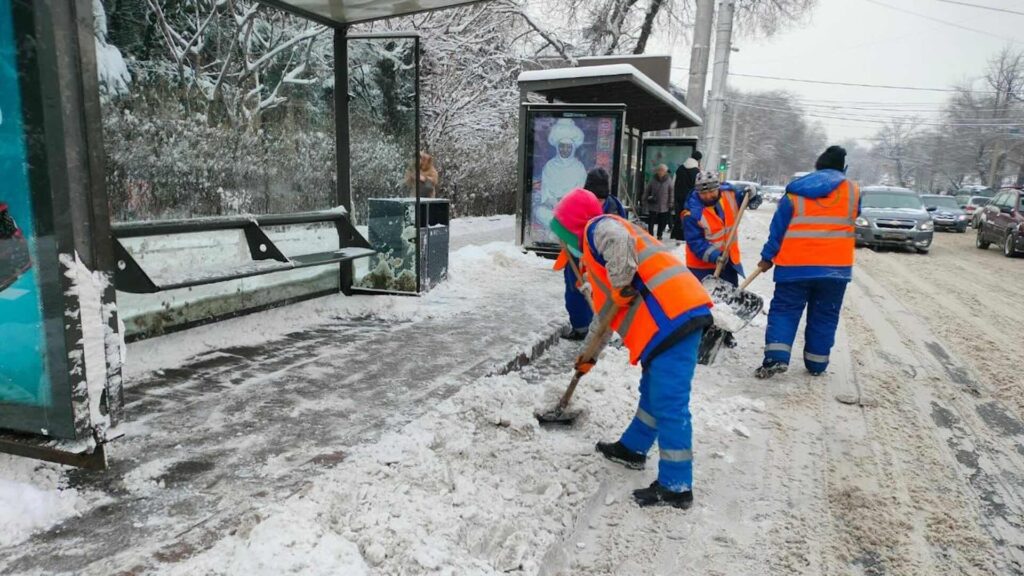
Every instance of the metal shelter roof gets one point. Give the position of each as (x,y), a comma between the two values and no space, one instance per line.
(343,12)
(649,107)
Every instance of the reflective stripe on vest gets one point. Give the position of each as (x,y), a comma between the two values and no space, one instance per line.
(716,232)
(821,232)
(663,278)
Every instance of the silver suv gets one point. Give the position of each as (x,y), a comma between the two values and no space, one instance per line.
(892,216)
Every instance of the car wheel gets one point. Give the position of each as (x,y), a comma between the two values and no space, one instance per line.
(1008,246)
(980,242)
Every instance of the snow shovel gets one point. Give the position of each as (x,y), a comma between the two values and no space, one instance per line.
(714,284)
(742,307)
(561,416)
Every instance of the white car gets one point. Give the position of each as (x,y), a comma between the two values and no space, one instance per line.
(773,193)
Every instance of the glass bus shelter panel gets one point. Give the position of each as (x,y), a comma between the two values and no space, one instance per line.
(672,152)
(197,158)
(35,388)
(383,134)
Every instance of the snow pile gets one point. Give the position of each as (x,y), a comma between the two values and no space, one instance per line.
(33,496)
(292,541)
(475,486)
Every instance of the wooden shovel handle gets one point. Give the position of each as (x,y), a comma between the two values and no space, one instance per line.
(577,273)
(749,279)
(732,234)
(589,353)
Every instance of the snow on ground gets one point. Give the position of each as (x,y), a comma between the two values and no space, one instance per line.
(33,496)
(923,477)
(471,270)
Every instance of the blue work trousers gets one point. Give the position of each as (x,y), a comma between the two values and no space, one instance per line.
(664,413)
(823,299)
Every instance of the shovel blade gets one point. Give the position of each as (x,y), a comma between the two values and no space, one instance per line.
(710,344)
(557,417)
(744,306)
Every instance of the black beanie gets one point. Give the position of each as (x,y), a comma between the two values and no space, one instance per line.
(696,155)
(597,182)
(833,157)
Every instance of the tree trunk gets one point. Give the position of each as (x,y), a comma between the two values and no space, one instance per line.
(645,30)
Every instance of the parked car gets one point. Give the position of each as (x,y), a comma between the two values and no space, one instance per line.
(975,216)
(751,187)
(1002,222)
(945,213)
(970,205)
(773,193)
(893,216)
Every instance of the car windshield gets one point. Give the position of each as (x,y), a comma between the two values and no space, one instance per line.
(940,201)
(980,200)
(890,200)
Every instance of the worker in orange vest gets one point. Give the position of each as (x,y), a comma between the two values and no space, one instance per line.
(660,312)
(811,246)
(712,216)
(580,315)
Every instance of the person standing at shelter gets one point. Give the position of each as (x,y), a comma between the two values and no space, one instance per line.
(811,246)
(658,197)
(685,181)
(660,310)
(580,313)
(429,179)
(710,220)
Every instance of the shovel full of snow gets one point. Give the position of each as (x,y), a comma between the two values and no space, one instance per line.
(734,309)
(561,416)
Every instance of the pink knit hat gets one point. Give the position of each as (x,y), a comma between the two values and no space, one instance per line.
(571,215)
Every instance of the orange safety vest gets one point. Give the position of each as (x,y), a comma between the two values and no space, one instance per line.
(821,232)
(665,280)
(716,232)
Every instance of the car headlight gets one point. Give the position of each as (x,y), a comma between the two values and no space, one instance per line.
(926,226)
(862,222)
(962,217)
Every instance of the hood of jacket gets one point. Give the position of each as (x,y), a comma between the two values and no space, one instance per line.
(690,164)
(817,184)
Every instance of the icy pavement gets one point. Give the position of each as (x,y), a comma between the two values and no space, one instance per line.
(454,476)
(247,420)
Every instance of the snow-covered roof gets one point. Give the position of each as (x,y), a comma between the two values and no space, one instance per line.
(648,106)
(338,12)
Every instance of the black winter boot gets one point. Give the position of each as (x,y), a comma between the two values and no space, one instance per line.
(658,495)
(770,368)
(616,452)
(574,334)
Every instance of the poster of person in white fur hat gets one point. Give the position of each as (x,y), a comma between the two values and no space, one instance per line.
(564,150)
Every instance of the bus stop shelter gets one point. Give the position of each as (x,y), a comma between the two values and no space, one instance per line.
(64,400)
(572,92)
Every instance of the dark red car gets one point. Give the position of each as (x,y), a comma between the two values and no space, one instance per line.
(1002,222)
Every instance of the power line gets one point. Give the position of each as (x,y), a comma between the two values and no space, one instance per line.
(858,85)
(993,8)
(940,21)
(854,84)
(880,120)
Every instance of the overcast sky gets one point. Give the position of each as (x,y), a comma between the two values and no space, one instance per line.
(872,42)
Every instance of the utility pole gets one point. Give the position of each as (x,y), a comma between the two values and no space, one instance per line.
(699,54)
(716,104)
(732,141)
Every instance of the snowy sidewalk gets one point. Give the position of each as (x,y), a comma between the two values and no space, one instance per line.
(216,438)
